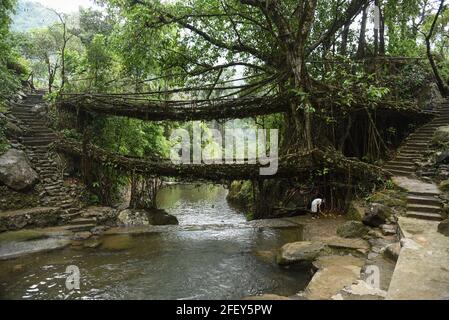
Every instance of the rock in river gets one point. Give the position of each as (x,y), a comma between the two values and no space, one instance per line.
(301,251)
(16,172)
(132,217)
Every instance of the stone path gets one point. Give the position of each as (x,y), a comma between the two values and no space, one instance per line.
(422,269)
(422,199)
(37,142)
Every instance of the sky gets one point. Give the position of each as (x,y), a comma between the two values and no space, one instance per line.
(66,6)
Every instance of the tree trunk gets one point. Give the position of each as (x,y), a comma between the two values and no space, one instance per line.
(362,37)
(381,33)
(344,38)
(440,83)
(439,80)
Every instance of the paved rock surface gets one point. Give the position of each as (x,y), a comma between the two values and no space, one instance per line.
(422,269)
(298,252)
(12,250)
(334,273)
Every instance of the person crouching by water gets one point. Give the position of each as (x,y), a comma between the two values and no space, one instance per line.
(317,205)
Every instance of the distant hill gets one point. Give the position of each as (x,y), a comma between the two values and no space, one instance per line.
(30,15)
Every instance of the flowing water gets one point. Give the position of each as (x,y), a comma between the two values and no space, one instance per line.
(221,257)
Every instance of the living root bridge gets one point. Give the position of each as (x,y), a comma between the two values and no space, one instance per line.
(292,166)
(182,110)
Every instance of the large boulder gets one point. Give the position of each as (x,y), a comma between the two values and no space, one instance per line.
(16,172)
(443,227)
(135,217)
(352,229)
(377,215)
(299,252)
(132,218)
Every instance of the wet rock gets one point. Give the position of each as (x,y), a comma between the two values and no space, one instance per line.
(377,215)
(13,250)
(346,244)
(16,172)
(334,273)
(392,251)
(36,217)
(388,229)
(443,227)
(362,291)
(132,217)
(22,235)
(299,252)
(352,229)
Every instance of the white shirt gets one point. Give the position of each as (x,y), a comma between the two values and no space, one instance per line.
(316,204)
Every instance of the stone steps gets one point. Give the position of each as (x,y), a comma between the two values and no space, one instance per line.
(400,163)
(400,168)
(420,205)
(399,172)
(423,208)
(36,140)
(424,215)
(423,200)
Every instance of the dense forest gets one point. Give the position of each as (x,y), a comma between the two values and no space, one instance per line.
(353,76)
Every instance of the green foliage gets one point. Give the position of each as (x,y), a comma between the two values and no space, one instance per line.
(444,186)
(71,134)
(4,144)
(10,69)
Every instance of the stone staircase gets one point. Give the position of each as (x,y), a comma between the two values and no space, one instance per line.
(421,203)
(52,190)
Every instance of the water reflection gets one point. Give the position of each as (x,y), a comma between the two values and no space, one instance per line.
(228,261)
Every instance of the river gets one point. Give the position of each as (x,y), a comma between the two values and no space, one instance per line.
(213,254)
